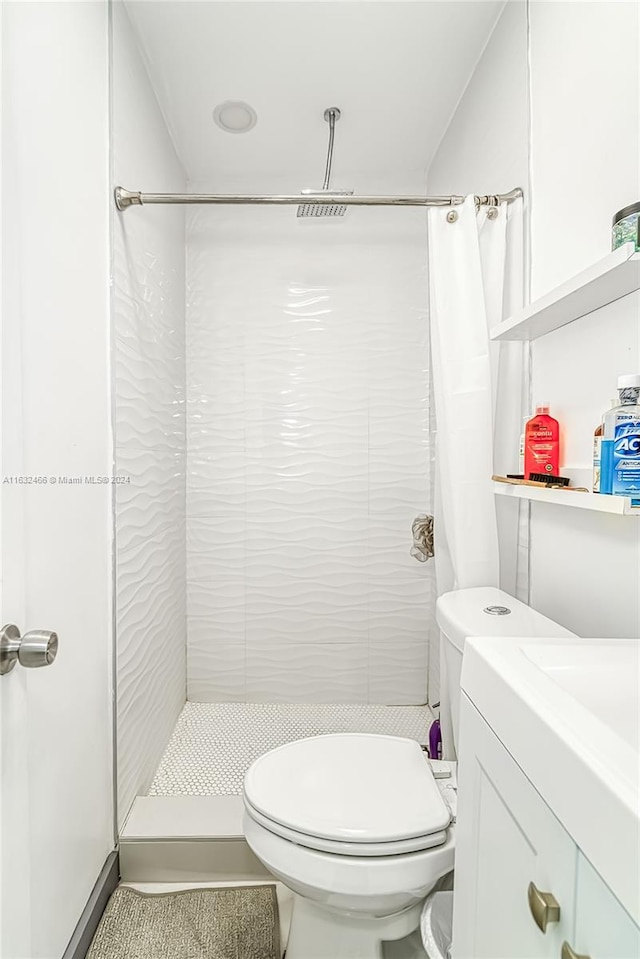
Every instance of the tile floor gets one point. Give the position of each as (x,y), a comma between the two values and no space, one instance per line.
(213,744)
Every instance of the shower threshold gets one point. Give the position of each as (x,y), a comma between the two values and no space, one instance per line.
(189,826)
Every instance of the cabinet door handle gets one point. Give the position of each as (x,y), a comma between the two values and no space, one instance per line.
(568,953)
(544,908)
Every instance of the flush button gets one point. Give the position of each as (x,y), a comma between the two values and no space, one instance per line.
(497,610)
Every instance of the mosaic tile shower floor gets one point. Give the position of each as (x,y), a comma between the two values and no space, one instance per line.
(213,744)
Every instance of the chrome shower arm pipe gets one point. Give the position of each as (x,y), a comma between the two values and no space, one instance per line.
(330,115)
(126,198)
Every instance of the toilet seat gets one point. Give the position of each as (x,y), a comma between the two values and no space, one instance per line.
(339,848)
(349,794)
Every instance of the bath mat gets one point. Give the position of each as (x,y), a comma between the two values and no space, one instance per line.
(239,922)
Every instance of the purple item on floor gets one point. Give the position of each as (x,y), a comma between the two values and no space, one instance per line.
(435,740)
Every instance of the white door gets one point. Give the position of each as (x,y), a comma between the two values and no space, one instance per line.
(56,805)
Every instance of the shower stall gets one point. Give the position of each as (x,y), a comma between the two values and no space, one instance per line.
(274,439)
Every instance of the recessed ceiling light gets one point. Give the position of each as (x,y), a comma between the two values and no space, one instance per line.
(234,116)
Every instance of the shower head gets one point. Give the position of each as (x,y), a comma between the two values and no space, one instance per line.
(319,203)
(314,208)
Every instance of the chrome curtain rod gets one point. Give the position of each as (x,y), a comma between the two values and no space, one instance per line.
(126,198)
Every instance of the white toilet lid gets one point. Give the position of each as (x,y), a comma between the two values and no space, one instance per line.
(349,787)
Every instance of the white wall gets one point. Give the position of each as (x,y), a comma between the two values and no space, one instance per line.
(149,364)
(56,353)
(585,570)
(485,147)
(584,165)
(308,455)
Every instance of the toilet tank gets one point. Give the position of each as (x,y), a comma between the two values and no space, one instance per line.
(481,611)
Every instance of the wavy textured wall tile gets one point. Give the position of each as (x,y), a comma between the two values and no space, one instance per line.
(217,668)
(151,612)
(308,458)
(211,599)
(307,674)
(342,533)
(398,672)
(153,499)
(215,551)
(148,317)
(217,482)
(149,358)
(279,626)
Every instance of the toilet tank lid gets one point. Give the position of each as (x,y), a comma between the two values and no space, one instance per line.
(482,611)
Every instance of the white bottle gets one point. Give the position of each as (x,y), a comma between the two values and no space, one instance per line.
(521,450)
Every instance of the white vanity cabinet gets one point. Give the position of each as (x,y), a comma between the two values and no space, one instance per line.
(604,930)
(518,871)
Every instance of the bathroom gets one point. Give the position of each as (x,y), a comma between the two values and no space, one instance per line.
(220,423)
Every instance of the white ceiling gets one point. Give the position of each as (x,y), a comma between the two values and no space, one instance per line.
(396,69)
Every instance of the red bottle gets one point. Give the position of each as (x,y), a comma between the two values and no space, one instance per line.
(542,443)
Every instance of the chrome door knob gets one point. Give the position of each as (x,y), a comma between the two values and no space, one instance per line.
(36,648)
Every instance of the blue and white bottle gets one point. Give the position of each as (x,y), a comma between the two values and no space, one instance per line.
(620,452)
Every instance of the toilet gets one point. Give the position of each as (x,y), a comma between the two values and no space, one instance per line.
(357,825)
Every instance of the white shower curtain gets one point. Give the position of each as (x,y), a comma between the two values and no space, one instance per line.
(473,280)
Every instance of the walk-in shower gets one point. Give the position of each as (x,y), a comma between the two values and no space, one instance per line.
(272,394)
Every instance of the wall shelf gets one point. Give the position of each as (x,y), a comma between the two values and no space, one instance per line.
(606,281)
(617,505)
